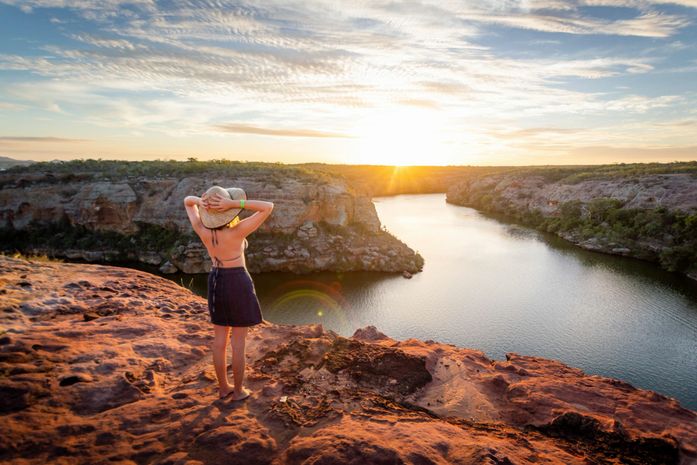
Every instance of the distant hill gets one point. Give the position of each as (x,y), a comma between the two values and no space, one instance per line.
(7,162)
(377,180)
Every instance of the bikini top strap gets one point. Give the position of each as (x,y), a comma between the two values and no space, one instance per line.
(214,241)
(219,262)
(214,237)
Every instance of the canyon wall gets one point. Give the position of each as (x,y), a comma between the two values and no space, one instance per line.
(318,222)
(647,216)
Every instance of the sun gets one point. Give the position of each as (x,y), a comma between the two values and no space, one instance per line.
(401,136)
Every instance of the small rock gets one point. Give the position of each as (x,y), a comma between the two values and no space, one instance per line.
(621,250)
(168,268)
(89,316)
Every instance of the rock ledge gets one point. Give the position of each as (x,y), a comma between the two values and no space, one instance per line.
(134,384)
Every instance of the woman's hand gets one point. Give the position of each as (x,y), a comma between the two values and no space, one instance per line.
(217,202)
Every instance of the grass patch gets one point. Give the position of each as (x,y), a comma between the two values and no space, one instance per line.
(31,257)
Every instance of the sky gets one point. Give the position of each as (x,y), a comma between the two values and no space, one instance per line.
(369,82)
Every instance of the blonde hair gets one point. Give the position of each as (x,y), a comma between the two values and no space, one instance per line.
(235,221)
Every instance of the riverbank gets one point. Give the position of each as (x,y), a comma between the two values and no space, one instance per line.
(641,211)
(110,211)
(89,377)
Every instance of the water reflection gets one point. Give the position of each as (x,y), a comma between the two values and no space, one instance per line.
(336,300)
(503,288)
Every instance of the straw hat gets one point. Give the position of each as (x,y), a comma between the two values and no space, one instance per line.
(214,219)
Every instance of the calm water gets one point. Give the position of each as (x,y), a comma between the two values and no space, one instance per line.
(503,288)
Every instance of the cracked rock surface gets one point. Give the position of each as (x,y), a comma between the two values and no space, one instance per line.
(106,365)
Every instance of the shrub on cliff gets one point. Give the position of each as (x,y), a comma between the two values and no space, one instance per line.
(64,235)
(606,220)
(120,169)
(576,174)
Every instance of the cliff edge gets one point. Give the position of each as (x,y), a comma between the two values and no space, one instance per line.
(115,211)
(642,211)
(110,365)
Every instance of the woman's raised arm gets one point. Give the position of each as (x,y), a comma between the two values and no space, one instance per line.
(248,225)
(263,211)
(192,203)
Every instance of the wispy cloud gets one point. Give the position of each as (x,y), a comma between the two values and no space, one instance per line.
(175,70)
(528,132)
(9,106)
(246,129)
(649,24)
(21,139)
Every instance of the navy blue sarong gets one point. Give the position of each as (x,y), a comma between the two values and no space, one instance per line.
(232,298)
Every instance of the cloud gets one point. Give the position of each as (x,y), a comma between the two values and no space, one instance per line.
(679,124)
(649,24)
(9,106)
(90,8)
(106,43)
(37,144)
(246,129)
(599,153)
(180,68)
(423,103)
(22,139)
(532,132)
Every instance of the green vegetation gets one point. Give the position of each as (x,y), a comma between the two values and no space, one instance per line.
(572,174)
(32,257)
(63,235)
(656,234)
(659,234)
(378,180)
(118,170)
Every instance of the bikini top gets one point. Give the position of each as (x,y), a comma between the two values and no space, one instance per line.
(218,261)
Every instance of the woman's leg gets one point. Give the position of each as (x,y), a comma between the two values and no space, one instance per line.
(239,335)
(219,345)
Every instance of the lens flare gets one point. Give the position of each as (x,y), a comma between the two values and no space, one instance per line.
(325,301)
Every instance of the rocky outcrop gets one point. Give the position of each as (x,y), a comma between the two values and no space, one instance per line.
(319,223)
(532,191)
(7,162)
(109,365)
(651,217)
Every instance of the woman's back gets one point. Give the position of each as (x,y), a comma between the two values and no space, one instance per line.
(225,247)
(232,303)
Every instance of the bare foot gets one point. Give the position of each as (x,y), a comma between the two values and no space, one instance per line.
(225,392)
(242,394)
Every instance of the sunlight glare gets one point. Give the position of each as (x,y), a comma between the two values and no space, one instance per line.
(404,136)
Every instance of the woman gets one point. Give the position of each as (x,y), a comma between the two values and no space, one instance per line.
(232,300)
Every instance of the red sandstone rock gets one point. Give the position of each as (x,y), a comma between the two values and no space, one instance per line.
(134,384)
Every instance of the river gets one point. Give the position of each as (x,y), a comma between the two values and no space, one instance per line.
(497,287)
